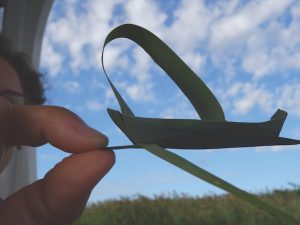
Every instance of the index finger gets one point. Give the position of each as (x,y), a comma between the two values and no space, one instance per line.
(37,125)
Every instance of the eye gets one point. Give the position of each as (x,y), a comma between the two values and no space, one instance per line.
(13,97)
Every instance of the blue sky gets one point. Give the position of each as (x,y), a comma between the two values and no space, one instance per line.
(247,52)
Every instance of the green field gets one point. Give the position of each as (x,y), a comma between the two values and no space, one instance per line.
(185,210)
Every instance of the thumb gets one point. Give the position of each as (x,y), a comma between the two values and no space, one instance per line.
(61,196)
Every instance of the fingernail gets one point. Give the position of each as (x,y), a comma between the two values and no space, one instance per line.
(89,132)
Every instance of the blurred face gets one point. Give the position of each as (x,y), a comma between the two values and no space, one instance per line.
(9,79)
(10,86)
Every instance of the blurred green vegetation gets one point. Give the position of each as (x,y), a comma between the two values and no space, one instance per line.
(184,210)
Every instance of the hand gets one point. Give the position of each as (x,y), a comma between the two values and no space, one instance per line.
(60,197)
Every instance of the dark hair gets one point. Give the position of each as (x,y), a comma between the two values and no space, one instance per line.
(29,77)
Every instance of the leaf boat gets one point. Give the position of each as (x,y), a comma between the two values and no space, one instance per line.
(199,134)
(212,131)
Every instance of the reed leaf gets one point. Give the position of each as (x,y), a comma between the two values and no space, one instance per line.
(212,131)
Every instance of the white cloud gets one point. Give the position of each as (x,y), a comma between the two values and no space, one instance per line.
(259,63)
(289,98)
(80,33)
(276,148)
(252,96)
(241,98)
(114,57)
(109,97)
(180,108)
(242,22)
(51,59)
(192,20)
(221,29)
(141,65)
(94,105)
(140,93)
(230,35)
(178,111)
(273,49)
(141,88)
(72,86)
(264,41)
(233,90)
(225,33)
(194,60)
(145,13)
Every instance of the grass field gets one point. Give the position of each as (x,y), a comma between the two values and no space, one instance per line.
(185,210)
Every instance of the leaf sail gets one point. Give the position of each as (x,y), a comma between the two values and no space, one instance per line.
(204,102)
(208,109)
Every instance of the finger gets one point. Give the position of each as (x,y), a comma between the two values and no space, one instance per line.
(37,125)
(61,196)
(5,118)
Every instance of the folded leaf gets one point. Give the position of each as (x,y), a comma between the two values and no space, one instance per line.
(212,131)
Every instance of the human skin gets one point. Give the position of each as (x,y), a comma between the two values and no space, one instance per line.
(60,197)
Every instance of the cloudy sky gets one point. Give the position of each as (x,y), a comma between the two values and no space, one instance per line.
(247,52)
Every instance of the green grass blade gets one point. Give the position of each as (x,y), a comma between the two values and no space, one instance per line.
(216,181)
